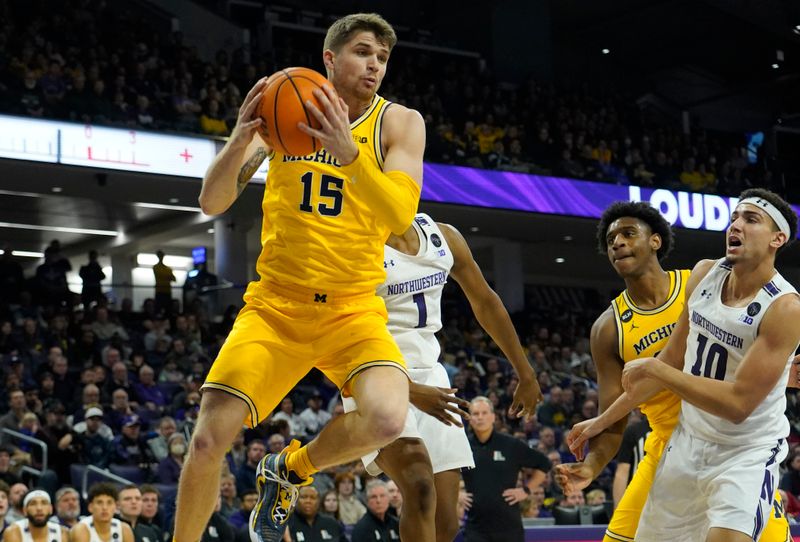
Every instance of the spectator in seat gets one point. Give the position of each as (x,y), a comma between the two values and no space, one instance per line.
(286,412)
(227,491)
(249,498)
(218,529)
(17,409)
(68,507)
(4,507)
(275,443)
(120,407)
(130,447)
(90,396)
(104,329)
(395,498)
(129,506)
(16,496)
(330,505)
(90,440)
(246,475)
(159,445)
(169,468)
(313,417)
(151,515)
(534,507)
(308,525)
(377,525)
(6,475)
(350,508)
(147,391)
(211,120)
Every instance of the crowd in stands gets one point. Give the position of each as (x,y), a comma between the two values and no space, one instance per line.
(94,63)
(118,389)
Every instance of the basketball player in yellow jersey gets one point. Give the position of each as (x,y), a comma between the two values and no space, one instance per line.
(326,218)
(637,324)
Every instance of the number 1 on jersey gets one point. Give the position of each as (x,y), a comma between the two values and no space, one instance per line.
(419,299)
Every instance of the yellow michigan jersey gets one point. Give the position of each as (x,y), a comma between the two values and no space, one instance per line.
(316,232)
(644,333)
(320,264)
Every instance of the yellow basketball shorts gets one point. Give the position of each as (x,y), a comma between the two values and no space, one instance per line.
(282,333)
(625,520)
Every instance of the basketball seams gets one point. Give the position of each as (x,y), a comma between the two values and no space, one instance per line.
(275,112)
(283,106)
(300,99)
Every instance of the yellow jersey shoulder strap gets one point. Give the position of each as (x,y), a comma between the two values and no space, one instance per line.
(625,309)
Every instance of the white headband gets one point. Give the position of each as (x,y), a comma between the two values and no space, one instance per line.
(772,211)
(36,494)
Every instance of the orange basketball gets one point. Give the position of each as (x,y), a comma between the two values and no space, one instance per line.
(283,106)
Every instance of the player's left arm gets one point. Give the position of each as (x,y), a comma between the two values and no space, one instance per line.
(392,193)
(493,317)
(64,534)
(759,371)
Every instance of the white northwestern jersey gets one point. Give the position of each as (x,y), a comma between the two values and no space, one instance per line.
(53,531)
(719,337)
(116,530)
(413,293)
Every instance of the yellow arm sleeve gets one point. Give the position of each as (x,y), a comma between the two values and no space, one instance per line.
(394,195)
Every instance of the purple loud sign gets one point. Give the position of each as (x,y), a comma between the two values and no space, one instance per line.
(554,195)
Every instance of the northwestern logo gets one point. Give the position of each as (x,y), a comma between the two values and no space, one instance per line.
(723,336)
(416,285)
(753,308)
(687,209)
(653,337)
(436,240)
(627,315)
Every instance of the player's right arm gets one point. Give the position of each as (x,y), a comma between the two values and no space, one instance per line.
(493,317)
(239,159)
(620,483)
(602,448)
(12,534)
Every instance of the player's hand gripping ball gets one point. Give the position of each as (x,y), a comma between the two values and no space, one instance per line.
(283,106)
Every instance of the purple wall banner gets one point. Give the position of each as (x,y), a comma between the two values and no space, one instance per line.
(569,197)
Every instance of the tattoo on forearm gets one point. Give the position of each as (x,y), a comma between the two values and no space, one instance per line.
(249,168)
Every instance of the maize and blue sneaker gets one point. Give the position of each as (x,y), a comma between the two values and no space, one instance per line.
(277,496)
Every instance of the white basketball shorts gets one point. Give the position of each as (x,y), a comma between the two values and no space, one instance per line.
(447,445)
(701,484)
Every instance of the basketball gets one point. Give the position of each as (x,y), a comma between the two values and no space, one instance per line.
(283,106)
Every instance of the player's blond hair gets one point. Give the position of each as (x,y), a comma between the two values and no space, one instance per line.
(343,29)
